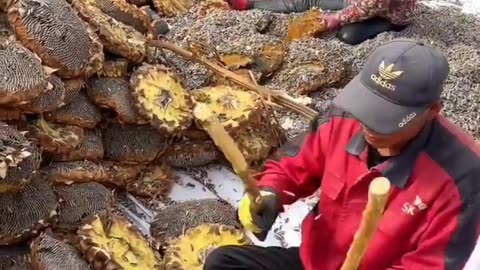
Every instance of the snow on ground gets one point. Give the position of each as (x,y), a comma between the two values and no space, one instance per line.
(472,6)
(286,231)
(468,6)
(474,262)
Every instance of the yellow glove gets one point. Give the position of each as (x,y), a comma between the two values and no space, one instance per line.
(259,222)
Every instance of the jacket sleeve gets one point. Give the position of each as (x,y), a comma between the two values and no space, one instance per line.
(299,175)
(360,10)
(449,239)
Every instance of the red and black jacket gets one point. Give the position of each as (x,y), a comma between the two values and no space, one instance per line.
(432,217)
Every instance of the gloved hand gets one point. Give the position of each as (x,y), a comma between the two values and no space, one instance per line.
(333,21)
(240,4)
(259,223)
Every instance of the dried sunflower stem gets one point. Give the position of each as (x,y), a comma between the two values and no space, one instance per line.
(280,98)
(206,50)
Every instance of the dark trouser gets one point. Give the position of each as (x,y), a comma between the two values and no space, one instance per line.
(253,258)
(356,33)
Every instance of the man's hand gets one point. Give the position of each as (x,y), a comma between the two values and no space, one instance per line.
(259,223)
(239,4)
(333,21)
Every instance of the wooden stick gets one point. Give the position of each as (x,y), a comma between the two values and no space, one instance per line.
(230,149)
(278,97)
(377,198)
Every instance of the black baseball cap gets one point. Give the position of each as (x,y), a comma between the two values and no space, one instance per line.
(399,81)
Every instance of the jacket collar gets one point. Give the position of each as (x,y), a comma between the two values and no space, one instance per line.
(397,169)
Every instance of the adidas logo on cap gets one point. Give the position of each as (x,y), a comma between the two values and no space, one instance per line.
(407,119)
(386,74)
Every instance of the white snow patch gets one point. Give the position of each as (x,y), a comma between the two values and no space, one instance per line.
(471,6)
(186,188)
(474,261)
(468,6)
(290,221)
(228,185)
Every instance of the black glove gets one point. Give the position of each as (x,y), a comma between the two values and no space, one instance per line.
(260,223)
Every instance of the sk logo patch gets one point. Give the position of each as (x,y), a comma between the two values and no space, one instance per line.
(412,208)
(419,204)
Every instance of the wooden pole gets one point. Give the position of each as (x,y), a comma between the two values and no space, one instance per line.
(230,149)
(377,198)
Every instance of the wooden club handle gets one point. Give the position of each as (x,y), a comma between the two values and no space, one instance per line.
(230,149)
(377,198)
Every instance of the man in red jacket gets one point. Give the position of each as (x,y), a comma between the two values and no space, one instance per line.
(385,122)
(356,20)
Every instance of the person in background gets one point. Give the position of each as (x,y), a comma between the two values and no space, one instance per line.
(385,122)
(355,20)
